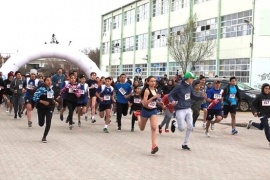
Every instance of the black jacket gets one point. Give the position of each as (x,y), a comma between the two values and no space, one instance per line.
(257,103)
(227,92)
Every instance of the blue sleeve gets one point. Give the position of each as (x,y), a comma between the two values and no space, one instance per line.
(209,94)
(54,80)
(38,93)
(172,94)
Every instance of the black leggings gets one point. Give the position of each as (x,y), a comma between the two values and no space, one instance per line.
(42,113)
(121,109)
(71,107)
(263,125)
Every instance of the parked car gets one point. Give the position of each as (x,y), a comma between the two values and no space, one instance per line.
(247,93)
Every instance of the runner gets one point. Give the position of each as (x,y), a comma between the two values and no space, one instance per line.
(44,97)
(231,98)
(135,106)
(72,93)
(123,92)
(16,87)
(83,99)
(168,114)
(204,103)
(149,97)
(180,97)
(57,82)
(105,95)
(214,97)
(93,85)
(8,96)
(30,84)
(261,108)
(63,109)
(196,105)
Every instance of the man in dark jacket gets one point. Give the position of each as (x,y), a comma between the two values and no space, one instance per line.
(231,98)
(261,108)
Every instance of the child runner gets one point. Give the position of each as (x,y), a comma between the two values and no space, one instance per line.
(168,111)
(105,95)
(45,105)
(149,110)
(83,99)
(196,105)
(261,108)
(136,106)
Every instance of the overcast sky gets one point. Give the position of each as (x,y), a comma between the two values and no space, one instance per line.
(26,23)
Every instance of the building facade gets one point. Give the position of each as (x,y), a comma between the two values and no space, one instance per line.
(134,38)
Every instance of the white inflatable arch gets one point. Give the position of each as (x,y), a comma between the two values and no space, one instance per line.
(51,51)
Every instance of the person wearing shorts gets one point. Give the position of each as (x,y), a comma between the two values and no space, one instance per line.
(231,98)
(93,85)
(214,97)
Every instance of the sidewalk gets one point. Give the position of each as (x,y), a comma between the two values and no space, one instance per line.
(88,153)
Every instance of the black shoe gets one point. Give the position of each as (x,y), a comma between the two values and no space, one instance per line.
(20,115)
(119,128)
(61,117)
(172,126)
(73,122)
(185,147)
(15,117)
(154,150)
(132,129)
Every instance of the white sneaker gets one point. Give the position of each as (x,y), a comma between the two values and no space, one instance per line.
(212,126)
(249,124)
(203,125)
(207,134)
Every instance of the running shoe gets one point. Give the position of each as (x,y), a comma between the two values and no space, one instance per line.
(70,127)
(29,123)
(234,131)
(119,128)
(132,130)
(79,123)
(173,126)
(203,125)
(249,124)
(207,134)
(15,116)
(167,130)
(61,117)
(20,115)
(159,129)
(105,130)
(185,147)
(44,140)
(212,126)
(93,119)
(85,117)
(154,150)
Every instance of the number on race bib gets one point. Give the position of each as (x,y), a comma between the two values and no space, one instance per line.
(8,85)
(266,102)
(187,96)
(232,96)
(96,85)
(137,100)
(49,95)
(82,92)
(217,96)
(20,86)
(107,97)
(70,90)
(122,91)
(152,104)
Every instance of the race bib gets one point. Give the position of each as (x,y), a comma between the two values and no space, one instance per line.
(232,96)
(107,97)
(82,91)
(49,95)
(70,90)
(20,86)
(96,85)
(29,86)
(187,96)
(152,104)
(217,96)
(59,81)
(122,91)
(8,85)
(137,100)
(266,102)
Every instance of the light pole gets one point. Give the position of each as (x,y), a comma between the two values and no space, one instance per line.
(251,48)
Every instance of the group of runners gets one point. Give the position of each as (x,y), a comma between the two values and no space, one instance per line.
(78,94)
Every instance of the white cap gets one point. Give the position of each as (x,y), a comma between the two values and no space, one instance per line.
(33,71)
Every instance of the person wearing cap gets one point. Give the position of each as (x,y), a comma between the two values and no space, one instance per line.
(214,98)
(8,95)
(231,98)
(30,84)
(180,97)
(16,87)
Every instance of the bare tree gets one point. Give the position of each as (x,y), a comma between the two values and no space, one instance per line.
(186,50)
(93,54)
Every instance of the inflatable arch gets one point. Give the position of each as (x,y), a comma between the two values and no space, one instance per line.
(51,51)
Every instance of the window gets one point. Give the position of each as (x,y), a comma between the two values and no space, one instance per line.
(117,21)
(233,25)
(206,30)
(129,17)
(115,71)
(158,69)
(128,70)
(206,68)
(116,47)
(142,12)
(159,38)
(160,7)
(173,67)
(107,25)
(105,48)
(144,70)
(128,44)
(235,67)
(200,1)
(179,4)
(142,41)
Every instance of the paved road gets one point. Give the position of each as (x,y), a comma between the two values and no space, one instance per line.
(88,153)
